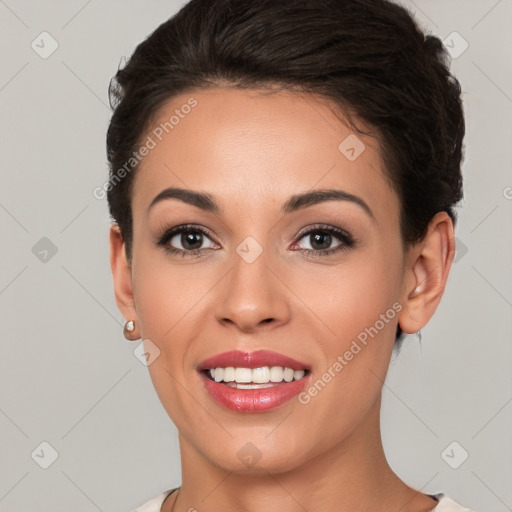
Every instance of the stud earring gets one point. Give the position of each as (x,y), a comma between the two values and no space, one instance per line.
(129,331)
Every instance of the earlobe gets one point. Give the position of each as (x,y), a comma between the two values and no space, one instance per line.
(121,275)
(427,274)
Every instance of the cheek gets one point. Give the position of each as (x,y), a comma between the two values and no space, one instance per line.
(355,355)
(167,294)
(348,298)
(168,299)
(358,307)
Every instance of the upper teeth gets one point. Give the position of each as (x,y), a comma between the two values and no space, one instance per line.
(260,375)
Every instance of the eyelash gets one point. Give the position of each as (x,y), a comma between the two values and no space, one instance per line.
(346,239)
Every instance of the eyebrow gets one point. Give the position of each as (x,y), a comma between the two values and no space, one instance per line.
(207,202)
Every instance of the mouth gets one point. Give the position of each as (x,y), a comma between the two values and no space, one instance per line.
(253,382)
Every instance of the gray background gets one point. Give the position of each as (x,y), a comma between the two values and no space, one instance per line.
(69,378)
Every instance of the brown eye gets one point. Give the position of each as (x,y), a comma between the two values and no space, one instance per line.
(324,240)
(320,241)
(186,240)
(190,240)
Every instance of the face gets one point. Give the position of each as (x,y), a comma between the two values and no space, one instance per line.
(319,281)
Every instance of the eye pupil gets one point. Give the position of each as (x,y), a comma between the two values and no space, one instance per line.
(319,239)
(191,240)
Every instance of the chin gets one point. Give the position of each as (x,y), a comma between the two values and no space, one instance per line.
(241,455)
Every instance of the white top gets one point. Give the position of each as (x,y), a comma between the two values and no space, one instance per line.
(445,504)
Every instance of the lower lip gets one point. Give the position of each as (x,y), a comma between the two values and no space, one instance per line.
(253,400)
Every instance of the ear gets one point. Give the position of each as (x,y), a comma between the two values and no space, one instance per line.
(121,275)
(427,267)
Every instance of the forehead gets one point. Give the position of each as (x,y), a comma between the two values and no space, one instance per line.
(257,148)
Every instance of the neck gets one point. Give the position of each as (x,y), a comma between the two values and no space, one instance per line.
(353,475)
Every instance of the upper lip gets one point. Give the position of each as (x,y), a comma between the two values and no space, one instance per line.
(257,359)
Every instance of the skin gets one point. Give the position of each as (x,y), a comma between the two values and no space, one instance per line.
(253,151)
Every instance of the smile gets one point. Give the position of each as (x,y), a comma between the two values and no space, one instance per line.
(253,386)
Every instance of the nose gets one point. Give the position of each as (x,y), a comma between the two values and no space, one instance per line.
(252,298)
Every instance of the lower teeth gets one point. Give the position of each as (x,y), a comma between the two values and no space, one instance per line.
(237,385)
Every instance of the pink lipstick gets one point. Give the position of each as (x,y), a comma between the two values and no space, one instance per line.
(253,382)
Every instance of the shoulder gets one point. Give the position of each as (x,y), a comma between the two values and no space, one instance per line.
(446,504)
(154,504)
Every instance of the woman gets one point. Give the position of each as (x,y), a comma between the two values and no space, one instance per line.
(283,182)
